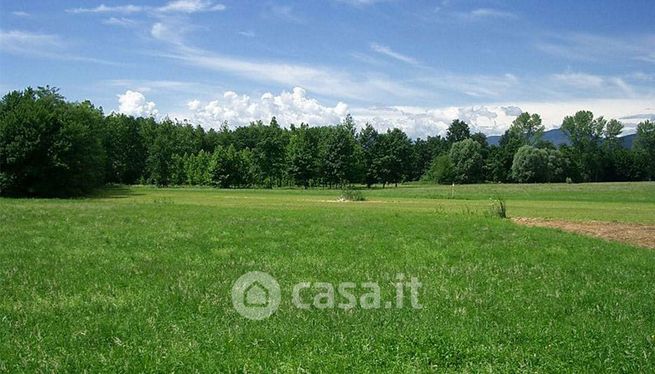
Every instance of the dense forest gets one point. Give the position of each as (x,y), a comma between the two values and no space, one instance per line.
(51,147)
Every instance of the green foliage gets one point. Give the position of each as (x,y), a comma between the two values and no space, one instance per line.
(339,156)
(393,156)
(350,194)
(269,153)
(458,131)
(441,170)
(467,161)
(423,154)
(498,208)
(231,168)
(530,165)
(527,128)
(645,148)
(586,134)
(49,147)
(368,139)
(198,169)
(302,156)
(534,165)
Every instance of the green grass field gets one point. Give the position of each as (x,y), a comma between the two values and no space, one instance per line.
(138,279)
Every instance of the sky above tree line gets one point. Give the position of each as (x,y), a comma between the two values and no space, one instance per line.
(415,65)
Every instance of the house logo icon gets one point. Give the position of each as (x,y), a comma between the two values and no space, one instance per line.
(256,295)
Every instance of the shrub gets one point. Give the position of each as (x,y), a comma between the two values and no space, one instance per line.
(349,194)
(498,208)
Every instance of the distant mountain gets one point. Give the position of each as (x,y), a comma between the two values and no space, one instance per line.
(628,140)
(558,137)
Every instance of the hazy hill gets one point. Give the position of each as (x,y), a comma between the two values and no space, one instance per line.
(558,137)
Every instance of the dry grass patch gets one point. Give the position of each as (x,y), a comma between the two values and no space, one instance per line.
(632,233)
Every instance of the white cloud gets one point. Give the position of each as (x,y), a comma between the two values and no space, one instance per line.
(384,50)
(422,122)
(597,83)
(121,22)
(192,6)
(48,46)
(495,118)
(133,103)
(247,34)
(490,13)
(160,31)
(512,110)
(102,8)
(161,87)
(361,3)
(321,80)
(553,112)
(20,14)
(446,12)
(288,107)
(283,12)
(176,6)
(476,86)
(22,41)
(296,106)
(589,47)
(580,80)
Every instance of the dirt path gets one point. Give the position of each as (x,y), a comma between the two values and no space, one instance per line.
(631,233)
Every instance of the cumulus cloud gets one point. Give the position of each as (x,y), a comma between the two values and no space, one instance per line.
(419,122)
(133,103)
(512,110)
(297,107)
(288,107)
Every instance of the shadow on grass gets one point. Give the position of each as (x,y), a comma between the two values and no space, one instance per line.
(115,192)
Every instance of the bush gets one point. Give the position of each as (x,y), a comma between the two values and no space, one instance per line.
(498,208)
(349,194)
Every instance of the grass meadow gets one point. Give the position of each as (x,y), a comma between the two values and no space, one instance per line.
(138,279)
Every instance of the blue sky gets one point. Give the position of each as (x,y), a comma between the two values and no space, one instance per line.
(411,64)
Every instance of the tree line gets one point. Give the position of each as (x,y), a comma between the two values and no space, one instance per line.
(52,147)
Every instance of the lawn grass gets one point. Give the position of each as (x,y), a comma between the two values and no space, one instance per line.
(139,278)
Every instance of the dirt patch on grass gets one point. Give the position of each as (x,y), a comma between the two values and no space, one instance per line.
(631,233)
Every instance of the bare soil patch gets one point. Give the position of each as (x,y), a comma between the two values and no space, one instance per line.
(632,233)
